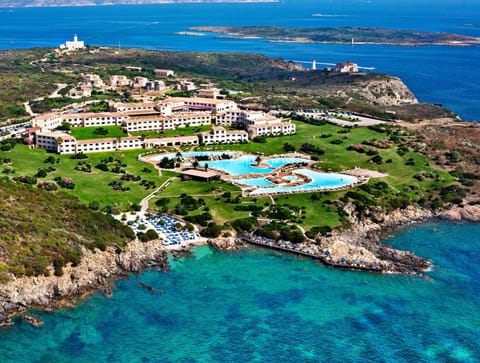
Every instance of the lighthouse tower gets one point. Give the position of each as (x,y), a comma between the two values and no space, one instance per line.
(314,65)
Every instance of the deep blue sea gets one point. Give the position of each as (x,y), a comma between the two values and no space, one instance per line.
(443,75)
(257,305)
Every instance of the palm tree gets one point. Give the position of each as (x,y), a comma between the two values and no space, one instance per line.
(195,164)
(258,159)
(178,155)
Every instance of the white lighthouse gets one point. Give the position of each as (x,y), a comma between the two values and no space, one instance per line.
(73,45)
(314,65)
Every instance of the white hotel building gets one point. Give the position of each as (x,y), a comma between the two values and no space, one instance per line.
(170,114)
(218,135)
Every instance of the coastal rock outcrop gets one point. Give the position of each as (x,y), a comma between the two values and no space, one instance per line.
(390,91)
(95,271)
(362,241)
(467,213)
(226,243)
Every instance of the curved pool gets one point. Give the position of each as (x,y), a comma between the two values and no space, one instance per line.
(246,164)
(319,181)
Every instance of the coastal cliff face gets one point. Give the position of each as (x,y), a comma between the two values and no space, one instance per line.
(387,92)
(95,271)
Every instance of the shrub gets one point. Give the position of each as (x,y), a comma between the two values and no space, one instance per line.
(94,205)
(288,147)
(79,156)
(102,167)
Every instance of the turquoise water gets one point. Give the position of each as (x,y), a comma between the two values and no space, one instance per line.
(262,306)
(318,181)
(246,164)
(255,182)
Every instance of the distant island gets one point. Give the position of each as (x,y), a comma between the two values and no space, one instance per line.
(47,3)
(343,35)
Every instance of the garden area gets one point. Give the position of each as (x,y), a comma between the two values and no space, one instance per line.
(103,132)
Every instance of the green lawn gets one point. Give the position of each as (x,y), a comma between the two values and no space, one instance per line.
(88,133)
(91,186)
(317,211)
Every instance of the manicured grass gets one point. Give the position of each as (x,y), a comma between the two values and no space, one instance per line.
(318,211)
(87,133)
(91,186)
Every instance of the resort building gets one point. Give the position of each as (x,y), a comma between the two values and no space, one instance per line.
(346,67)
(73,45)
(139,82)
(81,91)
(58,142)
(93,119)
(200,104)
(160,123)
(164,73)
(155,86)
(96,145)
(93,80)
(171,141)
(126,107)
(170,114)
(186,86)
(118,81)
(257,123)
(208,91)
(271,129)
(218,135)
(48,121)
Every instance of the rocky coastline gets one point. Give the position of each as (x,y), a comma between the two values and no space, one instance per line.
(99,269)
(96,272)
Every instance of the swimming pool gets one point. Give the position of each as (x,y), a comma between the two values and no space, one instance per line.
(255,182)
(319,181)
(246,164)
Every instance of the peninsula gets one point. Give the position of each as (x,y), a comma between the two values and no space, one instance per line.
(48,3)
(188,147)
(343,35)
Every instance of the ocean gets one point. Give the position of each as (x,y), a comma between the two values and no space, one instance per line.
(445,75)
(259,305)
(264,306)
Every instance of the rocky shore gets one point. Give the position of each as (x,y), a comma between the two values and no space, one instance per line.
(96,272)
(362,240)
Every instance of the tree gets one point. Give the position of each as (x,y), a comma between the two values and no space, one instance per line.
(195,164)
(258,160)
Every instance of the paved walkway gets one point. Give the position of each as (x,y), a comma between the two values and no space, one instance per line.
(144,202)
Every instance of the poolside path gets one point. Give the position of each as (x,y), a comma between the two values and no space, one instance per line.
(144,202)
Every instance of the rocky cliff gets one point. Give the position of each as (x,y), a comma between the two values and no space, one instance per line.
(390,91)
(95,271)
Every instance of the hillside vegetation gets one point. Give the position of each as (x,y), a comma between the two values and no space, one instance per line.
(41,230)
(260,81)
